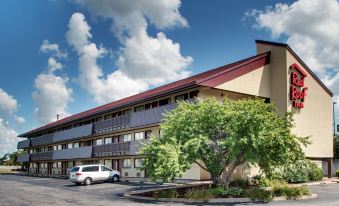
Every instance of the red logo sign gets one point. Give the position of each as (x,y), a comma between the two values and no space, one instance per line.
(298,90)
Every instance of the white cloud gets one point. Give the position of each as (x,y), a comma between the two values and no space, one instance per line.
(9,106)
(312,30)
(52,94)
(54,49)
(8,138)
(143,60)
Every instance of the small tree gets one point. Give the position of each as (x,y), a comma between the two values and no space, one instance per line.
(223,135)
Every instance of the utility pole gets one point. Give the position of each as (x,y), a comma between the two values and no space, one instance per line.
(334,119)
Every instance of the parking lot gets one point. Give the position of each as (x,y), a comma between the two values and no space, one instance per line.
(23,190)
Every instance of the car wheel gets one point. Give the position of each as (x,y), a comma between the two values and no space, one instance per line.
(115,178)
(88,181)
(78,183)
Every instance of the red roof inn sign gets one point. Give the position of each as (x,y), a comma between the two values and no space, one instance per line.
(298,91)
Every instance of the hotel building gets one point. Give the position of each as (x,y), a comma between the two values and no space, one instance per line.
(111,134)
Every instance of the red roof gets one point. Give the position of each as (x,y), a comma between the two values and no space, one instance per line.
(209,78)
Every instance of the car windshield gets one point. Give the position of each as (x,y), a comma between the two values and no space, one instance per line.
(75,169)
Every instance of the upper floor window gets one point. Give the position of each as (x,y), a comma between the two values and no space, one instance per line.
(70,146)
(139,135)
(127,137)
(164,101)
(193,94)
(99,142)
(55,147)
(181,97)
(59,147)
(108,140)
(76,144)
(139,108)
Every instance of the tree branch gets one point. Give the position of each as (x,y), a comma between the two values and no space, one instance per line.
(200,165)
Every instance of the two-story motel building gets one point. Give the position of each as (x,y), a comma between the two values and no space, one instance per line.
(111,134)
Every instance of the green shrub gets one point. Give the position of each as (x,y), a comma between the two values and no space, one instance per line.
(242,183)
(260,180)
(171,193)
(235,192)
(279,191)
(218,191)
(296,192)
(260,194)
(299,172)
(337,173)
(315,173)
(203,194)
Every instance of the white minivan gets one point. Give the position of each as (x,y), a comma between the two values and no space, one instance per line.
(93,173)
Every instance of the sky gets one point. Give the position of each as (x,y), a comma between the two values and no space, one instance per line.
(64,57)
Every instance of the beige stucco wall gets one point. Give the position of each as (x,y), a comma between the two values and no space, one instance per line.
(315,119)
(256,82)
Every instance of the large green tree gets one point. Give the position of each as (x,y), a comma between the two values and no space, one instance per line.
(220,137)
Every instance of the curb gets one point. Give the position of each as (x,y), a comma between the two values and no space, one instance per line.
(131,195)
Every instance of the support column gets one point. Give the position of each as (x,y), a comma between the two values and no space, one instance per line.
(329,167)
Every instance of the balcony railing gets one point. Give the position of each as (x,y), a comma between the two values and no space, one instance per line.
(24,144)
(42,140)
(73,133)
(23,158)
(114,149)
(42,156)
(75,153)
(112,124)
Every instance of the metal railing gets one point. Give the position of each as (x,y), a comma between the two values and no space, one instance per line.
(114,149)
(112,124)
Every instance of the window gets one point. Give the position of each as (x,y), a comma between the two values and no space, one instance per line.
(108,163)
(75,169)
(55,165)
(126,112)
(164,101)
(138,163)
(54,147)
(59,164)
(139,135)
(126,163)
(155,104)
(98,142)
(148,134)
(127,137)
(108,140)
(194,94)
(90,169)
(148,106)
(104,168)
(116,139)
(181,97)
(69,164)
(69,146)
(139,108)
(45,164)
(76,145)
(59,147)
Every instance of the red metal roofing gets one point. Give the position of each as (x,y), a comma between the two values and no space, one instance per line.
(208,78)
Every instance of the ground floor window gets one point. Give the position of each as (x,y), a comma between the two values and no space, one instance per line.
(55,165)
(138,163)
(126,163)
(108,163)
(127,137)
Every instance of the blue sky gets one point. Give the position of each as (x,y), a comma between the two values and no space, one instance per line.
(210,34)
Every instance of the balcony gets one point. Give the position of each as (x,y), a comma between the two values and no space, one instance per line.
(24,144)
(114,149)
(42,140)
(112,124)
(73,133)
(42,156)
(75,153)
(151,116)
(23,158)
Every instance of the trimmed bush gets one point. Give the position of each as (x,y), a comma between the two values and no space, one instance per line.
(171,193)
(299,172)
(315,173)
(296,192)
(260,194)
(260,181)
